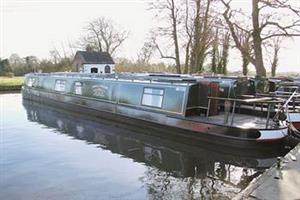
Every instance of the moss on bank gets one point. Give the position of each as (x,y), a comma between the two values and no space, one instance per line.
(11,84)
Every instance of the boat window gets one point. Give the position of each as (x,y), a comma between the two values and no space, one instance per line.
(131,94)
(60,85)
(78,88)
(153,97)
(31,82)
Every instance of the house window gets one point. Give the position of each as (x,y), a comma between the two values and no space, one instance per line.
(107,69)
(153,97)
(60,85)
(78,88)
(94,70)
(31,82)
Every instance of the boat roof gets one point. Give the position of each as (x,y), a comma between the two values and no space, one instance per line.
(132,77)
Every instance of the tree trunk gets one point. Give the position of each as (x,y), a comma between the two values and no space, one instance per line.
(175,38)
(275,61)
(257,42)
(225,53)
(245,65)
(214,59)
(195,47)
(204,38)
(187,57)
(215,53)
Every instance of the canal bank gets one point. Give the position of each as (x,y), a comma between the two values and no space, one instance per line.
(281,181)
(10,84)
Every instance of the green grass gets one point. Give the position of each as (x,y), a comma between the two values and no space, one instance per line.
(7,84)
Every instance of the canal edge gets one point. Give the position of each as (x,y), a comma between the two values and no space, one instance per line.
(270,174)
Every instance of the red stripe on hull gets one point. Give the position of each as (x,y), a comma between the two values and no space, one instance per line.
(195,126)
(296,125)
(277,140)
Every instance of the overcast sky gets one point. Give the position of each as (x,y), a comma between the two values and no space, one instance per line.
(34,27)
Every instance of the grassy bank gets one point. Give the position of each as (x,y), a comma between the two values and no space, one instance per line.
(11,84)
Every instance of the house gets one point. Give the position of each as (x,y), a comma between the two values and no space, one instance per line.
(93,62)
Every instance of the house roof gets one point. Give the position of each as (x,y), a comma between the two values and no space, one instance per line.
(93,57)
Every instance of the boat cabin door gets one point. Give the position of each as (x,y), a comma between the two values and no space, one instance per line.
(209,89)
(214,90)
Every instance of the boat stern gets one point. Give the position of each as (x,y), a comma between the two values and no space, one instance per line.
(272,135)
(294,118)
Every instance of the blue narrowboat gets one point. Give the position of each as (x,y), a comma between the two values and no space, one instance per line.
(180,105)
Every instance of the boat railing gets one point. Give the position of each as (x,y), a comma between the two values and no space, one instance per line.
(294,98)
(185,80)
(230,105)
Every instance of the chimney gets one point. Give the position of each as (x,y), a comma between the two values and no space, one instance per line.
(89,48)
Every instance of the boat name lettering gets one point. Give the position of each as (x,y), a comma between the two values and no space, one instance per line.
(100,90)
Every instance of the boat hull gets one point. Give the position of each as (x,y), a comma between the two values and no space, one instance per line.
(153,122)
(294,118)
(100,131)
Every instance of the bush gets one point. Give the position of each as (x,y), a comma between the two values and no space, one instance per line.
(9,74)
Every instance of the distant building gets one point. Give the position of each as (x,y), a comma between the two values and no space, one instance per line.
(93,62)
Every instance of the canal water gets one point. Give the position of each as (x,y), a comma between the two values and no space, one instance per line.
(47,153)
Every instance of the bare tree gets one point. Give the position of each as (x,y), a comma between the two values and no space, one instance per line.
(202,36)
(215,52)
(189,37)
(257,40)
(103,36)
(5,67)
(169,10)
(187,25)
(220,52)
(146,53)
(246,44)
(241,37)
(225,52)
(55,56)
(31,63)
(276,43)
(266,23)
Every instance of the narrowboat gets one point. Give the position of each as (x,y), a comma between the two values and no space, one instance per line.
(179,105)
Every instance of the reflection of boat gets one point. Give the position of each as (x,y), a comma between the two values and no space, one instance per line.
(181,159)
(181,105)
(170,164)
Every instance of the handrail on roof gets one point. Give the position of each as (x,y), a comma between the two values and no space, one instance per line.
(133,77)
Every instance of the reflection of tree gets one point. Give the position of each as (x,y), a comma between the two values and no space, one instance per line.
(247,177)
(190,184)
(157,183)
(224,181)
(221,171)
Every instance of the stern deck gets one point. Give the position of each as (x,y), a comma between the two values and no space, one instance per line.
(238,120)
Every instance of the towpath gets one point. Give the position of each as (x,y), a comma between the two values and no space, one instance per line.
(282,181)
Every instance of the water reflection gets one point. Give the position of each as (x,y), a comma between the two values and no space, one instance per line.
(174,169)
